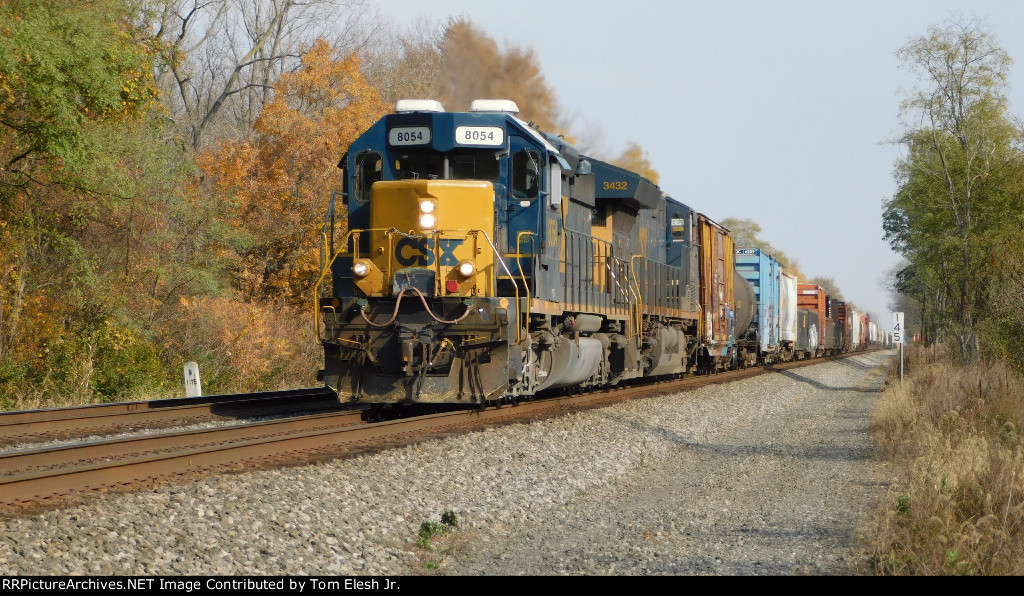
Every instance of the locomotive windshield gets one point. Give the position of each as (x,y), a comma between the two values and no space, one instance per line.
(457,165)
(368,170)
(475,165)
(419,165)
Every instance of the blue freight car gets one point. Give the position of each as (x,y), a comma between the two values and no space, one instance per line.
(759,343)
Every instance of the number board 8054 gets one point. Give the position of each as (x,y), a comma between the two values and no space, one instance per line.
(490,136)
(409,135)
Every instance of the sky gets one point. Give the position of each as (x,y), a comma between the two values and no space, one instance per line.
(784,112)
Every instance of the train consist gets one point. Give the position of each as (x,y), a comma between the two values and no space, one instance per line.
(487,261)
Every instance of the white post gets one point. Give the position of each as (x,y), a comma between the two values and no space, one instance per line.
(901,362)
(193,388)
(897,336)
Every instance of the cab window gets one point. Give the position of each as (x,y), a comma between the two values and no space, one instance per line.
(475,165)
(417,166)
(368,170)
(525,174)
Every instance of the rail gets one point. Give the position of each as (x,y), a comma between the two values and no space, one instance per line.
(76,421)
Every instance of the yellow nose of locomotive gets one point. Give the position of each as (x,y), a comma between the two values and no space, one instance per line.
(440,229)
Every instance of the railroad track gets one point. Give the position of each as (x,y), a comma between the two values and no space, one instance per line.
(31,479)
(33,426)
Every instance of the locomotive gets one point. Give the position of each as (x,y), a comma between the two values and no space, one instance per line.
(486,261)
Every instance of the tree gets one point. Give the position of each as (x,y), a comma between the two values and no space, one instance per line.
(63,65)
(474,67)
(953,197)
(75,83)
(745,234)
(223,57)
(406,63)
(829,285)
(279,180)
(635,159)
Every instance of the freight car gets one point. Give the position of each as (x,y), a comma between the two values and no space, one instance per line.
(793,320)
(486,261)
(759,343)
(812,298)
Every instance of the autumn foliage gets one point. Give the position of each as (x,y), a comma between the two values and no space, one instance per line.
(280,178)
(242,345)
(155,212)
(635,159)
(474,67)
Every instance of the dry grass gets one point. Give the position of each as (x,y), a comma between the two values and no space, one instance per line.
(953,434)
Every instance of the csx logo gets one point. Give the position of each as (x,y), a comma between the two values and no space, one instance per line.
(420,252)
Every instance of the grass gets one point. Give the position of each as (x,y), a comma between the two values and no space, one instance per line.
(431,530)
(428,530)
(952,433)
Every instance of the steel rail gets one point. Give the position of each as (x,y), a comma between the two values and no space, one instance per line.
(79,419)
(61,456)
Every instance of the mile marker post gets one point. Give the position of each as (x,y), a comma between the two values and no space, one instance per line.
(193,387)
(897,336)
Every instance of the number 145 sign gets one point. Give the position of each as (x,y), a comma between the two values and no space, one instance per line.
(897,327)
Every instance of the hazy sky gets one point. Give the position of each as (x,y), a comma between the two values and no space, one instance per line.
(779,111)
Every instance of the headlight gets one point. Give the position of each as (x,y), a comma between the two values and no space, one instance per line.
(427,206)
(467,268)
(360,268)
(427,221)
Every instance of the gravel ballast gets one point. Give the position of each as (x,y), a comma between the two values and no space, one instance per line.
(769,475)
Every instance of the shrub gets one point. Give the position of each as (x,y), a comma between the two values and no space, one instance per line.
(958,507)
(242,346)
(428,530)
(124,363)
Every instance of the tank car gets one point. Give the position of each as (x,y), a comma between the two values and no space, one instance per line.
(484,260)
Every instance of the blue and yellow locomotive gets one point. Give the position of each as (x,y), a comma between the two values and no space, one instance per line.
(485,261)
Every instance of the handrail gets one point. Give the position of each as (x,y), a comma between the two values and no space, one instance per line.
(390,233)
(640,300)
(317,295)
(519,263)
(323,249)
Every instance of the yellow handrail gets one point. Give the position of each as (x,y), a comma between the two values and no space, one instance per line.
(390,233)
(325,267)
(640,299)
(519,263)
